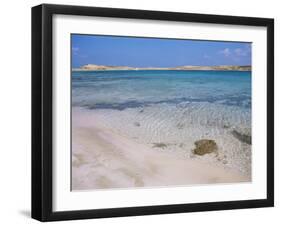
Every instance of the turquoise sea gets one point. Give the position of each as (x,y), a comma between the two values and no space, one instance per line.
(129,89)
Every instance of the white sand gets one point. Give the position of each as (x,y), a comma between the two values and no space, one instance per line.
(102,158)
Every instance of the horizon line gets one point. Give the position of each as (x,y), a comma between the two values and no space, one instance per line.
(188,65)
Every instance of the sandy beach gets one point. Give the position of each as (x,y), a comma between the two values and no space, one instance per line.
(103,158)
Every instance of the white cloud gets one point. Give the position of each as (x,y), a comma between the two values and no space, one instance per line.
(206,56)
(226,52)
(75,49)
(241,52)
(236,53)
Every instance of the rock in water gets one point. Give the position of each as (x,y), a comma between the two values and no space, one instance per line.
(245,138)
(137,124)
(205,146)
(159,145)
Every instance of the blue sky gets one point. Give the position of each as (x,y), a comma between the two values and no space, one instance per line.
(153,52)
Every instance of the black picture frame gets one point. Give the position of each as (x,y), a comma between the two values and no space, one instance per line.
(42,112)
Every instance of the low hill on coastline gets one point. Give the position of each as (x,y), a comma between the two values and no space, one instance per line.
(215,68)
(90,67)
(94,67)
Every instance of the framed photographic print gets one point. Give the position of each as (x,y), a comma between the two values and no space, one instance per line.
(145,112)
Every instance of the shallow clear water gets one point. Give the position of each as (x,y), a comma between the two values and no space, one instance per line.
(173,107)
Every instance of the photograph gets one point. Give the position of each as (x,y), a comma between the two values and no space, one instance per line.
(152,112)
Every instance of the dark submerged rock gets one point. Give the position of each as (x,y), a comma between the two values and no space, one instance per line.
(226,126)
(181,145)
(180,125)
(159,145)
(242,137)
(137,124)
(205,146)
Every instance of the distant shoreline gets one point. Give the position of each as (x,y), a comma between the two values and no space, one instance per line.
(93,67)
